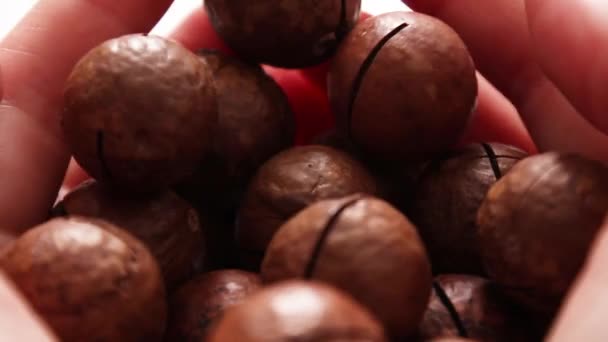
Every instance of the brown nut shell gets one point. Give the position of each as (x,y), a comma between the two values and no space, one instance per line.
(289,182)
(254,123)
(89,283)
(298,311)
(446,198)
(139,112)
(198,305)
(286,33)
(483,312)
(167,224)
(537,223)
(363,246)
(402,86)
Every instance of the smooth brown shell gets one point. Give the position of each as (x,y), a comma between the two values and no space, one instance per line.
(537,223)
(254,123)
(139,112)
(363,246)
(199,304)
(167,224)
(89,283)
(410,100)
(286,33)
(298,311)
(446,199)
(484,312)
(289,182)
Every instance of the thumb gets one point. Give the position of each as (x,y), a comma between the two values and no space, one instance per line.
(570,39)
(18,322)
(583,316)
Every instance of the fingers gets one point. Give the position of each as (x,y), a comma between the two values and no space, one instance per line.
(36,59)
(196,32)
(496,120)
(570,39)
(17,320)
(510,66)
(583,316)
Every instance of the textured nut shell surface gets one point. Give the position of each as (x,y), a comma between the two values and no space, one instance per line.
(254,123)
(196,306)
(89,283)
(537,224)
(298,311)
(418,93)
(167,224)
(153,102)
(446,200)
(371,243)
(286,33)
(485,313)
(289,182)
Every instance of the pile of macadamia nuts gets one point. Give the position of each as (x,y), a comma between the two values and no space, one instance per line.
(205,221)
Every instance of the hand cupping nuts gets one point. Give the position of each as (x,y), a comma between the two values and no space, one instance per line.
(196,178)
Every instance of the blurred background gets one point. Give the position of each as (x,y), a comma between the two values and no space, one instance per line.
(12,11)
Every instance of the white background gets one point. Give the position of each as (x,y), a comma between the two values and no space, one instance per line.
(11,11)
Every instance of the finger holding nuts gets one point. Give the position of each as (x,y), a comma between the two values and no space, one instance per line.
(144,115)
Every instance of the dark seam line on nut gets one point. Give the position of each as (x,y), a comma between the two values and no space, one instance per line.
(342,28)
(101,155)
(432,166)
(312,262)
(367,63)
(493,160)
(447,303)
(59,210)
(507,157)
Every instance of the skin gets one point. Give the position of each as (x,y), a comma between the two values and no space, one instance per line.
(553,99)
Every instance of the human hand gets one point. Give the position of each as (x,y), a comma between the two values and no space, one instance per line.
(545,56)
(37,56)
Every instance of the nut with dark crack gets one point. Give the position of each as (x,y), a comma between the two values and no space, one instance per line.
(471,306)
(139,112)
(537,224)
(446,198)
(289,182)
(363,246)
(402,86)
